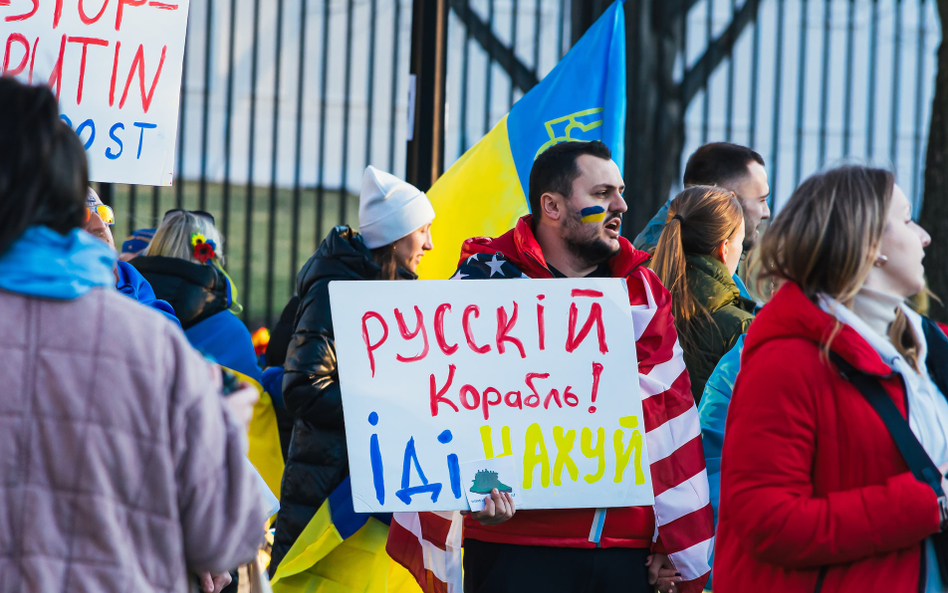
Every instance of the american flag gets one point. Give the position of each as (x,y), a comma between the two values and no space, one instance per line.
(429,544)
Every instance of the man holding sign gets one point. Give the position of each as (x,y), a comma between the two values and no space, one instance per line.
(576,198)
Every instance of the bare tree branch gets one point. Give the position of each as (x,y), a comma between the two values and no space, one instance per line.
(697,77)
(522,77)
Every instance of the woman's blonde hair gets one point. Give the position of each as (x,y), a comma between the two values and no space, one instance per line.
(826,237)
(699,219)
(826,240)
(173,237)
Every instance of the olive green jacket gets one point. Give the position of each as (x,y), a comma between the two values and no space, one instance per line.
(731,314)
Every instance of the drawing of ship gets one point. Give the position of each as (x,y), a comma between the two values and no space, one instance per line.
(486,480)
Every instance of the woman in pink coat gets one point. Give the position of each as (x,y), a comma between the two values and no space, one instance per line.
(121,468)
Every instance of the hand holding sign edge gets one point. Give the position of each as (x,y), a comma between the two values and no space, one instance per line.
(498,508)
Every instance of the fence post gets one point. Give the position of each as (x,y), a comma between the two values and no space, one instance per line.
(583,13)
(106,194)
(425,160)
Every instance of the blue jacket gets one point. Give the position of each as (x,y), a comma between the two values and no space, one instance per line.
(224,338)
(712,413)
(42,263)
(131,283)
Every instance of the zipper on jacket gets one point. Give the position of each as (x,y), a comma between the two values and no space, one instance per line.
(595,531)
(819,579)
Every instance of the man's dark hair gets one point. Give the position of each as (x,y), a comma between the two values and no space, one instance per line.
(555,169)
(719,162)
(44,176)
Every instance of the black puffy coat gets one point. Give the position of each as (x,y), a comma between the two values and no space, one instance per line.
(317,461)
(196,291)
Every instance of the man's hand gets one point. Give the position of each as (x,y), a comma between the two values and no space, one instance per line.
(499,507)
(213,583)
(662,573)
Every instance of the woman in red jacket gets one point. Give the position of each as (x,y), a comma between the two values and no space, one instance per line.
(815,494)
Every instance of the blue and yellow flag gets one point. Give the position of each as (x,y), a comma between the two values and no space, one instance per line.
(342,551)
(263,438)
(485,191)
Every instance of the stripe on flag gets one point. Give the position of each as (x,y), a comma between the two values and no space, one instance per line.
(429,546)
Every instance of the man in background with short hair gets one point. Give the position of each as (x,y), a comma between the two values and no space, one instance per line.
(730,166)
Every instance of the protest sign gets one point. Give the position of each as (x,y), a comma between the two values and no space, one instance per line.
(115,66)
(436,374)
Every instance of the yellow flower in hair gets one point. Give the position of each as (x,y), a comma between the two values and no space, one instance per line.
(197,238)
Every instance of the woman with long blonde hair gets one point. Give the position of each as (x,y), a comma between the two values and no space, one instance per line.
(696,256)
(837,433)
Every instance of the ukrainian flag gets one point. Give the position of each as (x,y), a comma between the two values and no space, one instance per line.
(263,439)
(485,191)
(341,551)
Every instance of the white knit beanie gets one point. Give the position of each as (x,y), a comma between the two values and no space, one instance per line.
(390,208)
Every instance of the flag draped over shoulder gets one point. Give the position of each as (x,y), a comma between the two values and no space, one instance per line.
(683,517)
(485,191)
(342,551)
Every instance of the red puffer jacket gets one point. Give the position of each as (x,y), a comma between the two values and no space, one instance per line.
(814,493)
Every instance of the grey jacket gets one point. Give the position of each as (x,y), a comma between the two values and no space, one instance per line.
(120,469)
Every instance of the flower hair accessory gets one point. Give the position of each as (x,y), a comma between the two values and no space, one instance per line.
(204,250)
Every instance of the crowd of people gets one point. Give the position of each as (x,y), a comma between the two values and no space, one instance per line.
(123,424)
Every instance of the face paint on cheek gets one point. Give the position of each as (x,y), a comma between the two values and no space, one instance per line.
(592,214)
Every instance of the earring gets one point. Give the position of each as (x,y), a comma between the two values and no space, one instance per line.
(881,260)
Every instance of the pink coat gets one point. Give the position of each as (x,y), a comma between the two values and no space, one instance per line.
(119,468)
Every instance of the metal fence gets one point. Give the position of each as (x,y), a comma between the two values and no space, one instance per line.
(815,83)
(283,103)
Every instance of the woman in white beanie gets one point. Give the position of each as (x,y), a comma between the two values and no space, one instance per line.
(395,221)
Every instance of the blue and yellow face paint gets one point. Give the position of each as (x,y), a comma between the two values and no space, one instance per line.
(592,214)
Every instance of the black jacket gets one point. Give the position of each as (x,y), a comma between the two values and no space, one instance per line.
(282,333)
(317,461)
(196,291)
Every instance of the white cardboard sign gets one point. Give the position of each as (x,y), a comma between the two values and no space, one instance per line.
(435,374)
(115,66)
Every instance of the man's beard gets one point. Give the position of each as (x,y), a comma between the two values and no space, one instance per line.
(750,238)
(591,250)
(749,244)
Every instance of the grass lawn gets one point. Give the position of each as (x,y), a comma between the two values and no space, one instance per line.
(135,207)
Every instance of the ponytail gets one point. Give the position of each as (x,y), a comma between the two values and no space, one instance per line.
(669,263)
(699,219)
